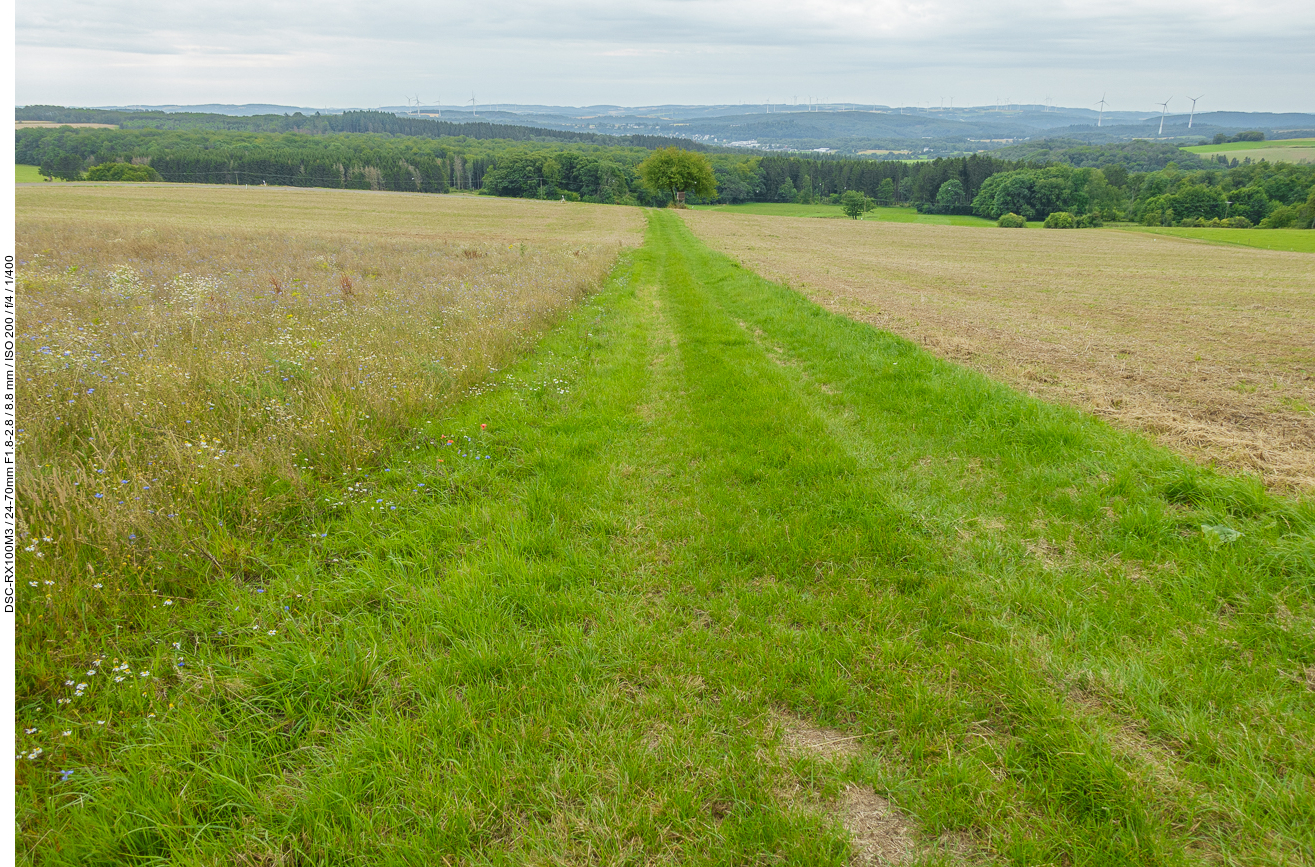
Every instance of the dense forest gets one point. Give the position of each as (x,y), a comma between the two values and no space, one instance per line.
(1103,183)
(1269,195)
(381,122)
(1135,156)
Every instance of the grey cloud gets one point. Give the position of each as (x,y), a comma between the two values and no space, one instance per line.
(698,51)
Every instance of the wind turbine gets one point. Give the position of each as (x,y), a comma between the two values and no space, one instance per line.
(1193,114)
(473,106)
(1100,117)
(1164,109)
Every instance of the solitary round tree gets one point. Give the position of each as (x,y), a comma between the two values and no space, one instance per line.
(853,203)
(678,172)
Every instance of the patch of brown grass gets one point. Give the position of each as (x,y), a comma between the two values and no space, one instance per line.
(878,833)
(191,355)
(1206,348)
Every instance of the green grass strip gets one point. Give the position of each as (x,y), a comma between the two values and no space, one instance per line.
(1292,240)
(826,211)
(1226,147)
(27,174)
(706,510)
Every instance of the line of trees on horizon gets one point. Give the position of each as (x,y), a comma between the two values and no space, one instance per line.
(377,122)
(575,171)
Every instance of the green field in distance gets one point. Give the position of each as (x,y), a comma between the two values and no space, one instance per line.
(890,215)
(1251,145)
(26,174)
(1297,150)
(1293,240)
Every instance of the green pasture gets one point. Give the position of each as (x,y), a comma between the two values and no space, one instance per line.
(577,619)
(1295,240)
(1227,147)
(27,174)
(779,209)
(891,215)
(1283,150)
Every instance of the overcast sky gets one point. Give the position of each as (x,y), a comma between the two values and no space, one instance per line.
(1256,56)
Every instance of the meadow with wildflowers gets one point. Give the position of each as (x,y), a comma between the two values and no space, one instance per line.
(188,382)
(709,575)
(205,381)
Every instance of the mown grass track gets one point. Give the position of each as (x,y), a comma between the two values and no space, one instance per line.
(740,516)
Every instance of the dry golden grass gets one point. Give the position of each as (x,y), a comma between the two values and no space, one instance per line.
(194,358)
(1207,348)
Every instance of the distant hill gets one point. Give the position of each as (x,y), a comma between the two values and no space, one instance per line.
(880,132)
(922,131)
(223,108)
(1262,120)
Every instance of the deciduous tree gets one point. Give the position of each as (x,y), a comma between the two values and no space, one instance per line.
(678,172)
(853,203)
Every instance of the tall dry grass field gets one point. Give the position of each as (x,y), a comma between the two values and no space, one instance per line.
(1207,348)
(204,370)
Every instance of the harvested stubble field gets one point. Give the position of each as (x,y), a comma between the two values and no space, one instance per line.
(197,363)
(1207,348)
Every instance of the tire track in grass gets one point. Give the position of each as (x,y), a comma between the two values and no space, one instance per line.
(912,420)
(792,498)
(458,679)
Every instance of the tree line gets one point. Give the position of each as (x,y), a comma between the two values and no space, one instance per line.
(368,159)
(1269,195)
(342,160)
(1134,156)
(1265,194)
(739,179)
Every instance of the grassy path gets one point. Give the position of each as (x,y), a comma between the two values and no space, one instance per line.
(724,578)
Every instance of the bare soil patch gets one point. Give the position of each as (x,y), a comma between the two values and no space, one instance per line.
(880,834)
(1208,349)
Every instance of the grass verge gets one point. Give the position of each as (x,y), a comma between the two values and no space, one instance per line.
(629,606)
